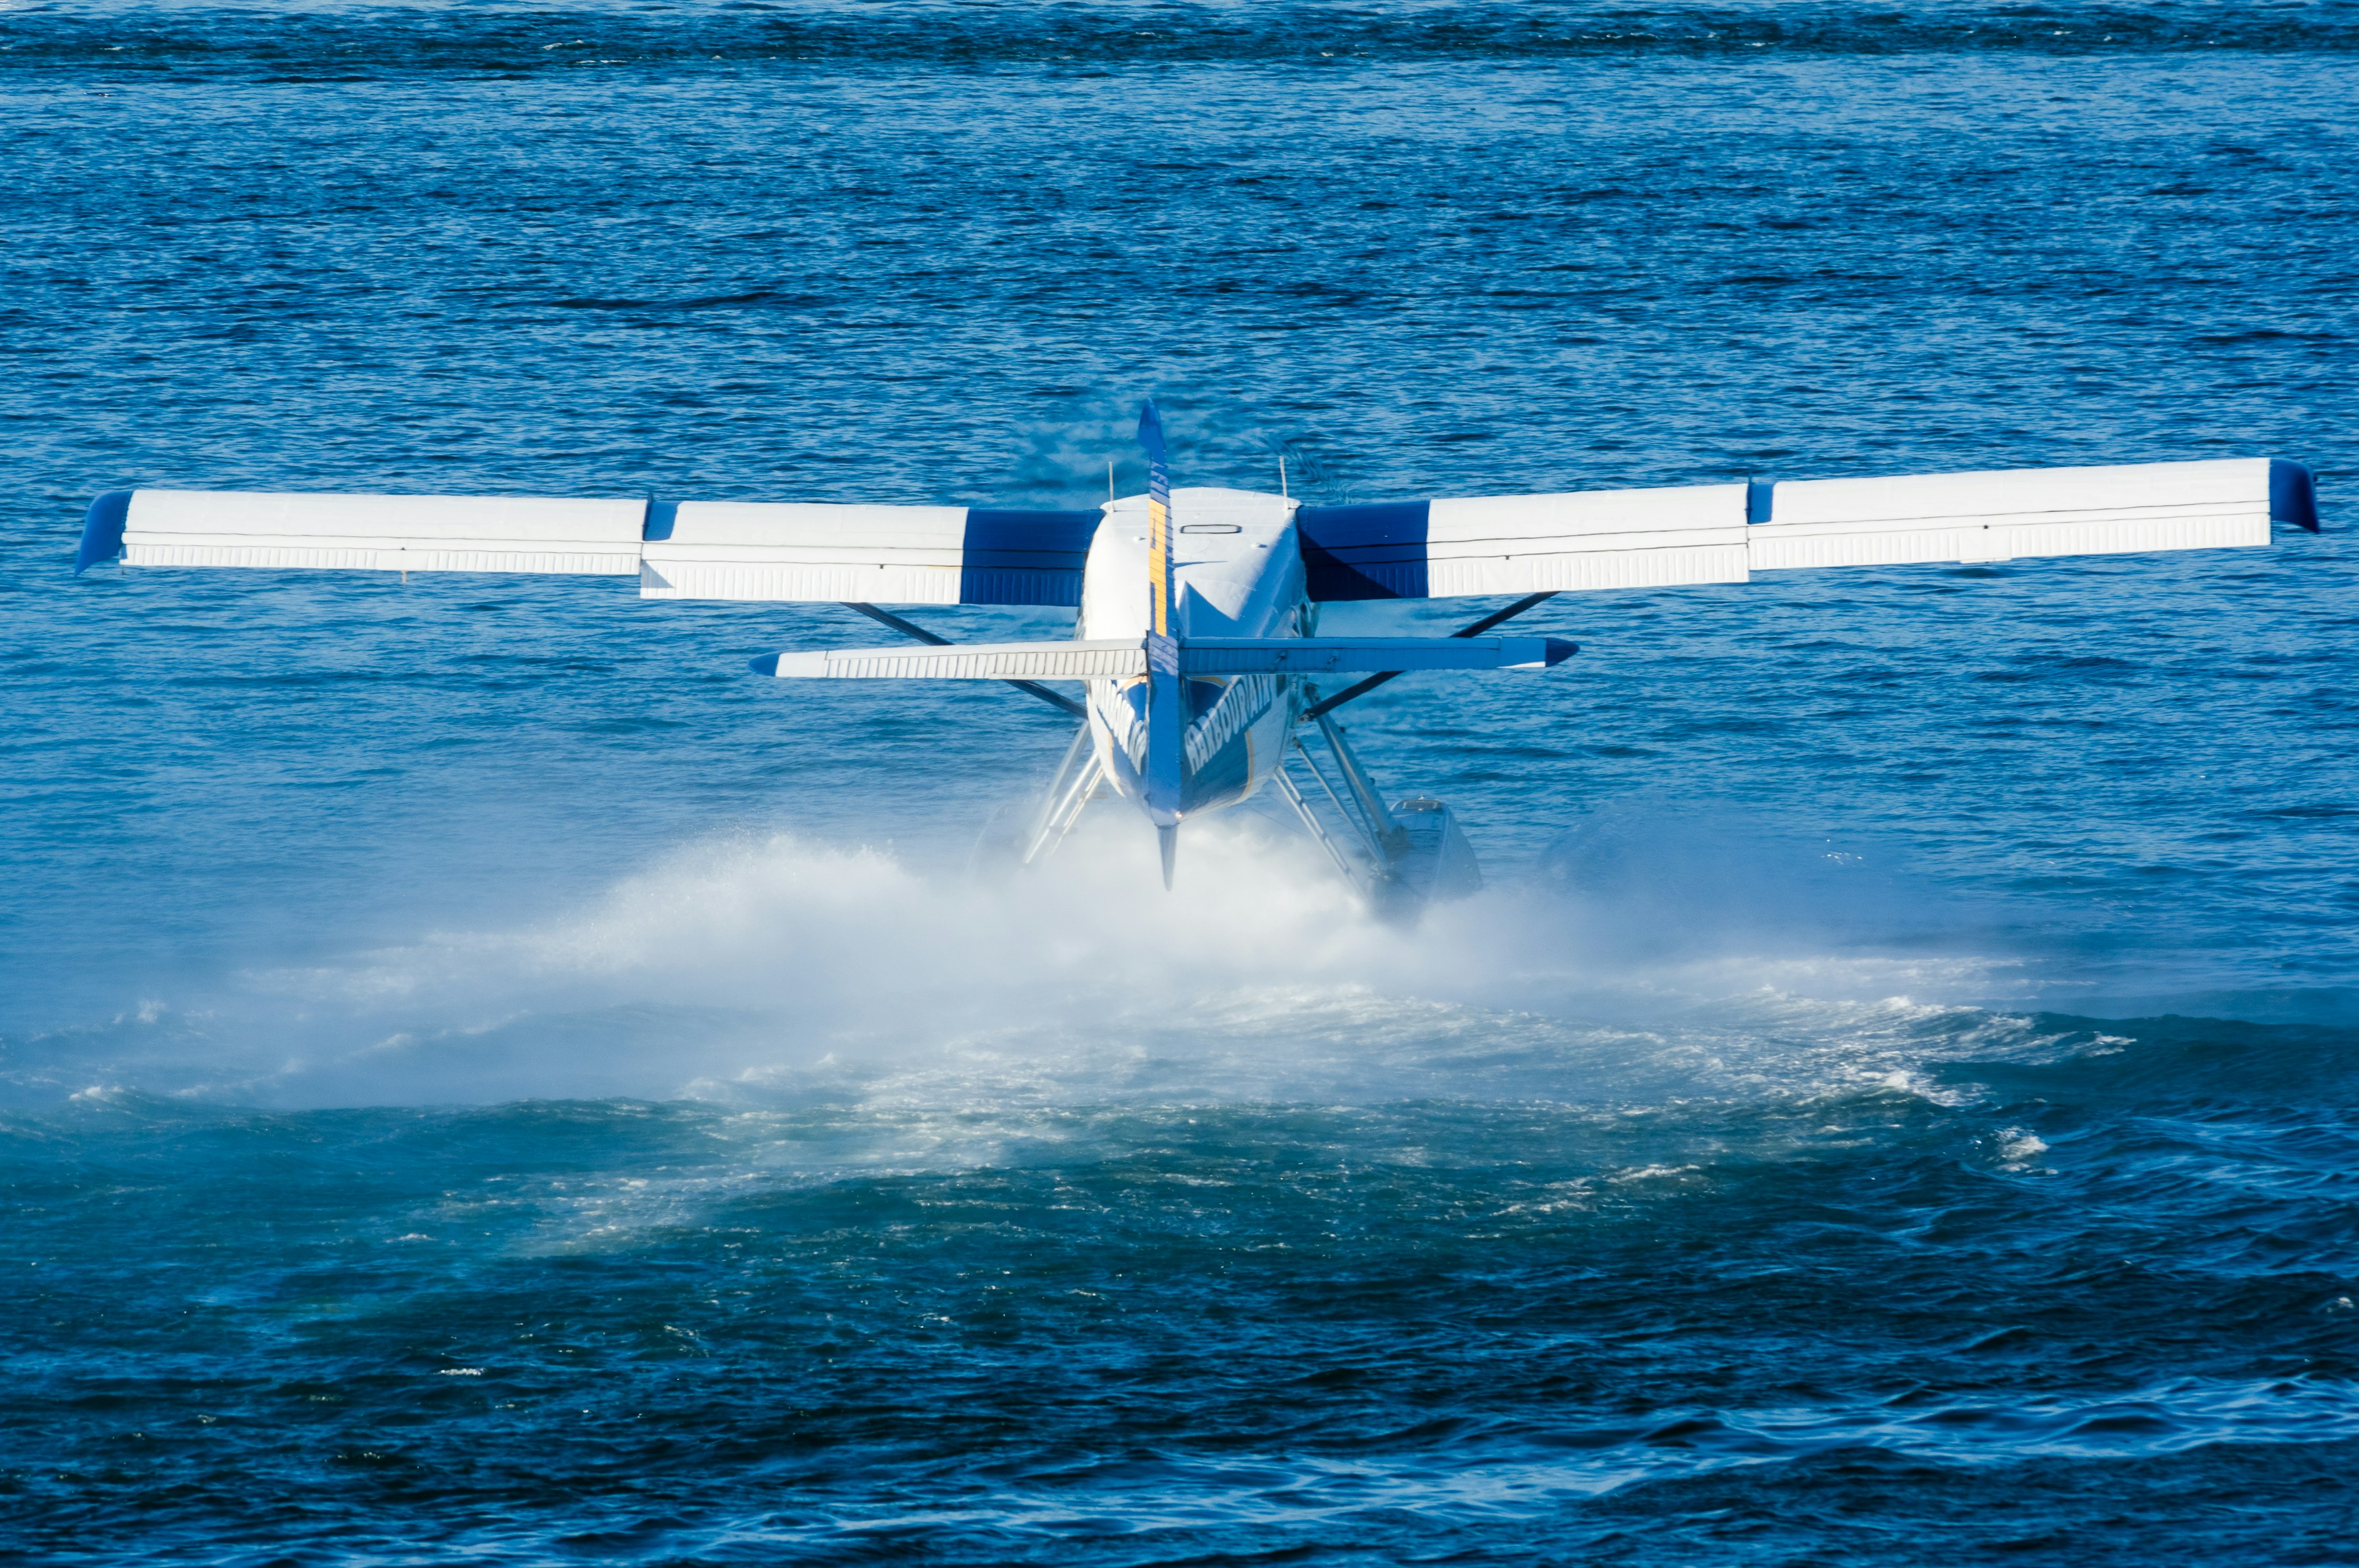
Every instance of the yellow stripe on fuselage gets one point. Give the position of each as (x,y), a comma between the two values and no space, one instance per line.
(1159,564)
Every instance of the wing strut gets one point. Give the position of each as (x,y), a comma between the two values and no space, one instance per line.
(1476,630)
(911,629)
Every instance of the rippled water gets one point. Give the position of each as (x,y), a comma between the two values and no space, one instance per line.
(485,1080)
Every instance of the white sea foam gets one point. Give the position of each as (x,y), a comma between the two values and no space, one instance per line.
(783,968)
(2020,1147)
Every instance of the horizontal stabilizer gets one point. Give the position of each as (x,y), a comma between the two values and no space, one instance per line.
(1198,657)
(973,661)
(1352,655)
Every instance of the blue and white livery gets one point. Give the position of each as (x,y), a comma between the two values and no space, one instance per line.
(1196,634)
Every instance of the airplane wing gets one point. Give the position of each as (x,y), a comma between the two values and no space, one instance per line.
(892,555)
(695,549)
(366,533)
(1440,548)
(1725,533)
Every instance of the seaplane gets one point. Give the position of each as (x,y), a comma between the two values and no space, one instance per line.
(1205,680)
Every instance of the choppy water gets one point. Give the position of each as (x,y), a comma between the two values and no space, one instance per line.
(485,1080)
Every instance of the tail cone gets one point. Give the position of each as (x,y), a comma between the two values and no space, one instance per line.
(1168,838)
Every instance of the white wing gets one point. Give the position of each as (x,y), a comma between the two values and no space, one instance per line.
(377,533)
(2015,513)
(887,555)
(1707,533)
(695,549)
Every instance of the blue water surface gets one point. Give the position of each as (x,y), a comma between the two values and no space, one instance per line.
(483,1079)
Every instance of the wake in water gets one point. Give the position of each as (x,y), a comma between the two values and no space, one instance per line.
(925,1311)
(1648,959)
(873,1209)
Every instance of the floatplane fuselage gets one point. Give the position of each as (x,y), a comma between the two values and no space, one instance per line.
(1231,690)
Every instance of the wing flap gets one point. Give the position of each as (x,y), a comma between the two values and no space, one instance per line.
(730,550)
(1524,544)
(878,555)
(750,550)
(1714,533)
(378,532)
(2013,514)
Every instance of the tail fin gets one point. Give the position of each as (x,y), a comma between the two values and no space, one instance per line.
(1167,840)
(1165,767)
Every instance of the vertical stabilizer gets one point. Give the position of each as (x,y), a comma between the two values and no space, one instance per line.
(1166,712)
(1168,840)
(1158,522)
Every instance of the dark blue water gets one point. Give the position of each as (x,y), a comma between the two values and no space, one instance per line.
(483,1080)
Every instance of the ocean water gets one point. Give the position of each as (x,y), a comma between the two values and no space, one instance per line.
(483,1079)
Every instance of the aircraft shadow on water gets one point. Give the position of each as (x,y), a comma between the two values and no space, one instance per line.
(1196,637)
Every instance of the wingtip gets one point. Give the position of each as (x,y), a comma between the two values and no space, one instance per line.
(2293,494)
(102,530)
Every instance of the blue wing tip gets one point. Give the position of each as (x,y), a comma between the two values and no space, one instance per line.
(2293,494)
(766,665)
(102,530)
(1558,650)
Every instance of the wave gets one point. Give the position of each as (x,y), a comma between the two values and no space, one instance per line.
(1531,1470)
